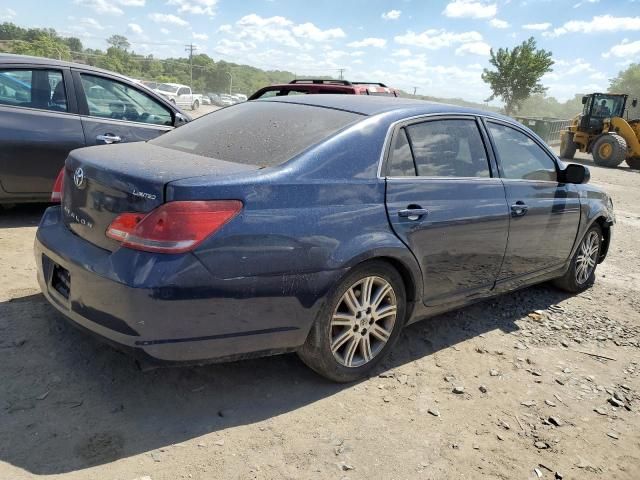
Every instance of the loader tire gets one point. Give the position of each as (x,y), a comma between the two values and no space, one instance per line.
(609,150)
(634,162)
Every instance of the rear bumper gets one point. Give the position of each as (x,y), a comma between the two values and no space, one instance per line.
(170,307)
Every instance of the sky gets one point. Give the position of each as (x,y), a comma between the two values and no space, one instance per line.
(438,47)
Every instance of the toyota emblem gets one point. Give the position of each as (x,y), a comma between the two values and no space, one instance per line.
(78,177)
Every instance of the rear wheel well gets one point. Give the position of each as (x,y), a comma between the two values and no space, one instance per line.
(606,236)
(405,273)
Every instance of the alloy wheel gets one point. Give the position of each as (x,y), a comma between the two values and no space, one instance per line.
(363,321)
(587,257)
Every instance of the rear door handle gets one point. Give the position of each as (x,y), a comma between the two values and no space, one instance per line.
(413,214)
(519,209)
(109,138)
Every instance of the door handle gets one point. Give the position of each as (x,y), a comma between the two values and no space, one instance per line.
(413,214)
(109,138)
(519,209)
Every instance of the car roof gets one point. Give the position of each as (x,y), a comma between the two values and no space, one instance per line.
(374,105)
(26,59)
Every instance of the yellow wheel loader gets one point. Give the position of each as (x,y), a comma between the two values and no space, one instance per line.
(602,131)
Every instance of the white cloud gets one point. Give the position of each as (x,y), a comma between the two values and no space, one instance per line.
(497,23)
(474,48)
(229,47)
(200,36)
(537,26)
(135,28)
(132,3)
(626,49)
(8,14)
(101,6)
(279,30)
(401,52)
(368,42)
(168,18)
(579,4)
(470,9)
(392,15)
(563,69)
(310,31)
(197,7)
(91,23)
(165,31)
(598,24)
(433,39)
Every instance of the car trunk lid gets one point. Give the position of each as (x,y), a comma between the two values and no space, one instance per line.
(102,182)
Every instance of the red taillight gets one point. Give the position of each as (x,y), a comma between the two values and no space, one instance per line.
(56,193)
(174,227)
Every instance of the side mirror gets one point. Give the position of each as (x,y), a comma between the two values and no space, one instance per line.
(634,103)
(584,99)
(180,119)
(575,173)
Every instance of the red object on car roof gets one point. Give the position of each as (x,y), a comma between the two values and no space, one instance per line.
(303,86)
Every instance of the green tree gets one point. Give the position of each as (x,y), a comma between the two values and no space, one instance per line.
(119,41)
(628,81)
(517,73)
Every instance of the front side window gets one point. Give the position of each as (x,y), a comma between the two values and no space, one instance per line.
(448,148)
(111,99)
(521,158)
(43,89)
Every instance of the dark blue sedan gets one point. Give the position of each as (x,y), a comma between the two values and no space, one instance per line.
(319,224)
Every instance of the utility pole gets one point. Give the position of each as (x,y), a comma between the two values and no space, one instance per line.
(230,81)
(190,49)
(415,89)
(341,70)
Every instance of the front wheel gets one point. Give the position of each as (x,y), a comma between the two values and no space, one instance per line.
(609,150)
(358,325)
(582,272)
(195,105)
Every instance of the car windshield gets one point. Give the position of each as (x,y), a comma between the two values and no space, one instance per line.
(257,133)
(163,87)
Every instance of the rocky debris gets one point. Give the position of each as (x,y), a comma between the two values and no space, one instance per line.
(615,402)
(555,421)
(613,435)
(540,445)
(458,390)
(434,412)
(449,378)
(550,403)
(482,388)
(346,466)
(386,399)
(528,403)
(493,372)
(600,411)
(219,443)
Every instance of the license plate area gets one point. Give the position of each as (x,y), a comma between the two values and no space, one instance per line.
(61,281)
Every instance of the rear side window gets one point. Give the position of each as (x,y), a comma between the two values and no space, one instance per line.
(257,133)
(401,158)
(448,148)
(43,89)
(521,158)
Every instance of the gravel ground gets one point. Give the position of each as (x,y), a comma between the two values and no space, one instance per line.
(549,385)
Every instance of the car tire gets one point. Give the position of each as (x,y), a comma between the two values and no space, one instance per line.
(195,105)
(567,145)
(634,163)
(352,333)
(609,150)
(582,271)
(173,100)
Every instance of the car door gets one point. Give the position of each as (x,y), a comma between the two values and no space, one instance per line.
(445,202)
(545,214)
(184,97)
(39,125)
(113,111)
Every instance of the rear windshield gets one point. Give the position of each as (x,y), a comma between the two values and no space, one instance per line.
(257,133)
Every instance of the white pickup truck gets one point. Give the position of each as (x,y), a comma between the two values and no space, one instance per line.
(180,95)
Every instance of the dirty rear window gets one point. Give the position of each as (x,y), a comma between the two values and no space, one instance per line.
(257,133)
